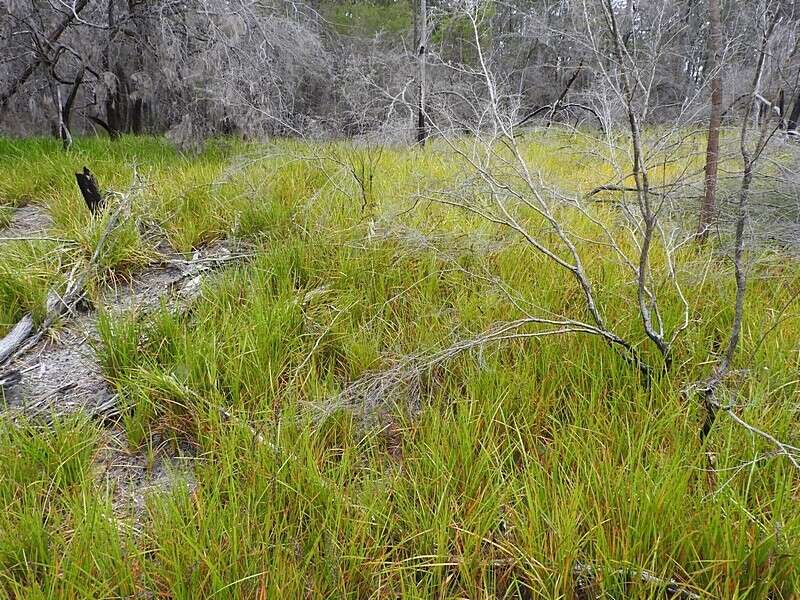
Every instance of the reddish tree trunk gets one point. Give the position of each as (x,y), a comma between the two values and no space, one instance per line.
(708,205)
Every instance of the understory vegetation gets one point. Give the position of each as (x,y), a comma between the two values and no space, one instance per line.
(497,472)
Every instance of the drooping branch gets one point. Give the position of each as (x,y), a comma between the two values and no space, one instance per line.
(378,390)
(18,81)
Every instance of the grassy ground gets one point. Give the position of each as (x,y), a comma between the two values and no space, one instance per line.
(520,460)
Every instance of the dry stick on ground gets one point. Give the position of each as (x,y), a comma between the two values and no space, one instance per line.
(24,334)
(108,408)
(379,389)
(25,238)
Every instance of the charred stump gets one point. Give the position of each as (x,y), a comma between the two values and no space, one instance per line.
(90,191)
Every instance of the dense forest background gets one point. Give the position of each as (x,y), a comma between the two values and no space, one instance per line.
(327,68)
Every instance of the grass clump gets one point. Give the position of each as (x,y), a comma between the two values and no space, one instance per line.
(27,272)
(6,216)
(490,475)
(57,540)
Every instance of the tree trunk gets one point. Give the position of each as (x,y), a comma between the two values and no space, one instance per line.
(66,110)
(111,123)
(118,106)
(136,116)
(708,205)
(794,117)
(422,124)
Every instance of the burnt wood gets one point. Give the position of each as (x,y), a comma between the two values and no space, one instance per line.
(90,191)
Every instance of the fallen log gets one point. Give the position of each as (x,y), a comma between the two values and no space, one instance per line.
(23,329)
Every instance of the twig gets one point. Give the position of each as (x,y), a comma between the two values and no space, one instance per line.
(212,259)
(790,452)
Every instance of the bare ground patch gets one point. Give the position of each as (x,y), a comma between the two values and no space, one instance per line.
(60,375)
(132,475)
(27,221)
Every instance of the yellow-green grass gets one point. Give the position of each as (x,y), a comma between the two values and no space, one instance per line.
(6,216)
(517,461)
(27,272)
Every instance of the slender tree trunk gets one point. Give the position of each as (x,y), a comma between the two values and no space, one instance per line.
(708,205)
(137,116)
(111,123)
(63,131)
(794,117)
(415,13)
(137,107)
(422,124)
(65,115)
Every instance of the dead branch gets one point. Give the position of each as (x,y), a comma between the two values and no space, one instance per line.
(51,38)
(26,238)
(379,389)
(617,188)
(792,453)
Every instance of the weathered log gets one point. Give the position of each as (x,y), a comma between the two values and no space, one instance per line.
(15,337)
(8,381)
(90,191)
(24,328)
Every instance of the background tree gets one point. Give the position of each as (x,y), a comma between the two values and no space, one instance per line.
(715,121)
